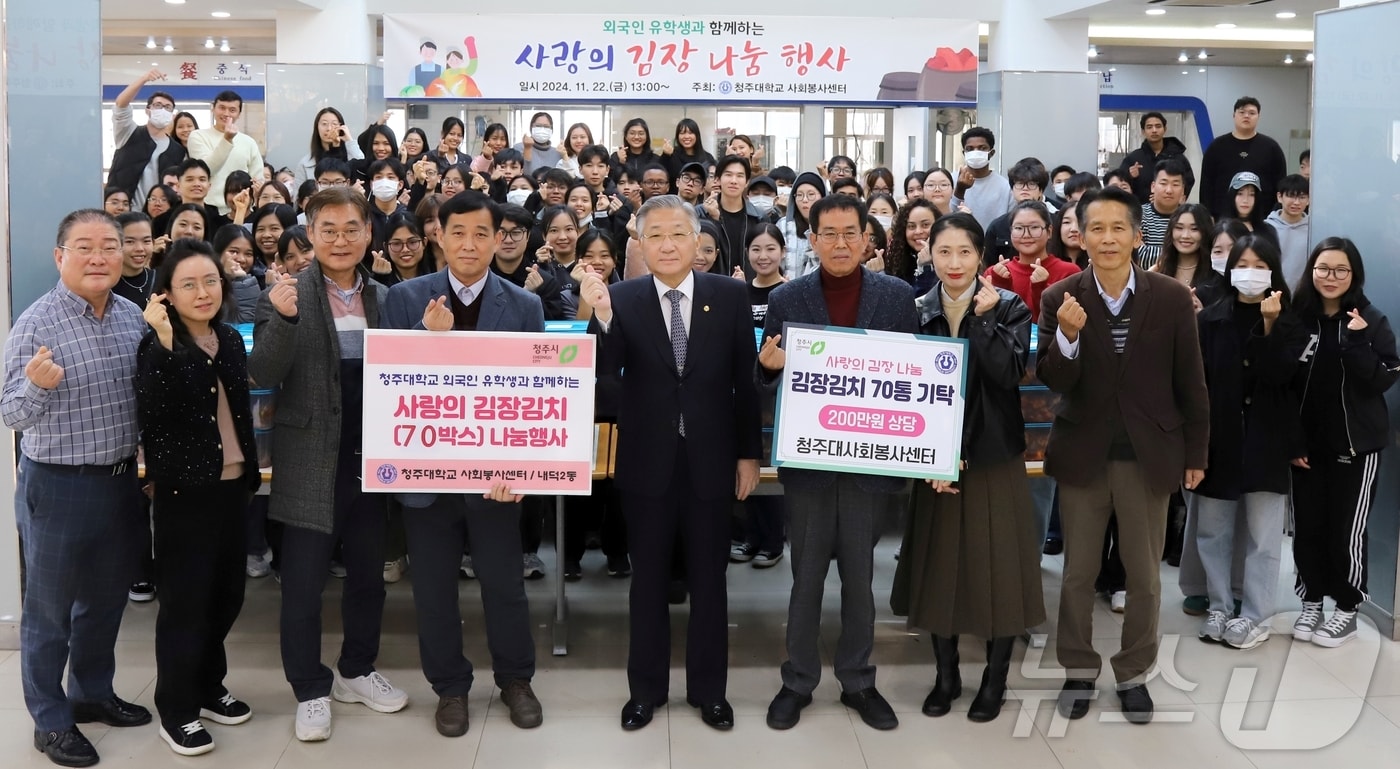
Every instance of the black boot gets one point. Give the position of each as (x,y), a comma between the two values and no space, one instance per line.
(948,686)
(987,705)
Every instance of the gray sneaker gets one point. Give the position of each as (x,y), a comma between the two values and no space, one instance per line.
(1213,629)
(1337,630)
(1308,621)
(1241,633)
(534,566)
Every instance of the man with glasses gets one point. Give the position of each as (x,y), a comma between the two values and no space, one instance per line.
(1243,149)
(515,261)
(141,155)
(1028,179)
(690,185)
(840,167)
(681,343)
(656,180)
(833,512)
(309,342)
(69,365)
(1290,221)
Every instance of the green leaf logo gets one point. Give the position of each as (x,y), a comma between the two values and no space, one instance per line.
(568,354)
(817,347)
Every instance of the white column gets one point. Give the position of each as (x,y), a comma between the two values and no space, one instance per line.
(1025,40)
(341,33)
(909,137)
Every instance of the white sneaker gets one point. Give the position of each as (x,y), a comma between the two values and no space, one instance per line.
(314,720)
(1242,633)
(393,571)
(259,566)
(373,691)
(1337,630)
(1118,602)
(1213,629)
(466,571)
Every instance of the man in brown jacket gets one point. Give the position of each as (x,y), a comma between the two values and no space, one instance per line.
(1120,345)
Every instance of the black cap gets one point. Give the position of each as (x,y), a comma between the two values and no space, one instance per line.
(698,168)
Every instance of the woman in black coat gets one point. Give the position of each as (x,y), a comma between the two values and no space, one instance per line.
(972,550)
(197,434)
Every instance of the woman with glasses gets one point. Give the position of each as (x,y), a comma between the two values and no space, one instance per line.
(1348,366)
(798,256)
(1033,268)
(971,552)
(636,153)
(938,190)
(879,180)
(405,248)
(196,426)
(330,138)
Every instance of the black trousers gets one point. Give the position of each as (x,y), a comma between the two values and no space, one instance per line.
(305,565)
(653,523)
(436,535)
(602,512)
(199,572)
(1330,505)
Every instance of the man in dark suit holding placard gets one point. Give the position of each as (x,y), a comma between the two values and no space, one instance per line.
(830,511)
(688,445)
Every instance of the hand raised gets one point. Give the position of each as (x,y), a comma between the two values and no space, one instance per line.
(1134,170)
(595,292)
(1000,269)
(42,371)
(771,356)
(1040,274)
(437,316)
(1357,323)
(1272,306)
(1071,317)
(738,274)
(154,75)
(283,296)
(533,280)
(545,254)
(986,298)
(381,266)
(158,316)
(876,263)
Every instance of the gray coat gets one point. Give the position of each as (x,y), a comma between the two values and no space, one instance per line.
(301,357)
(886,304)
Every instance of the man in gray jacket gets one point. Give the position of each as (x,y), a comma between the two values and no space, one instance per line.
(833,512)
(309,342)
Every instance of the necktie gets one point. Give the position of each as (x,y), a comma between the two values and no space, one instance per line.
(678,340)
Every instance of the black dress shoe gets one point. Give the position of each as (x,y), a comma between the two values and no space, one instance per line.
(873,709)
(1074,698)
(66,748)
(1137,704)
(636,714)
(716,715)
(786,708)
(113,712)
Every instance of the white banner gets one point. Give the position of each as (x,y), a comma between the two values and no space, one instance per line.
(676,57)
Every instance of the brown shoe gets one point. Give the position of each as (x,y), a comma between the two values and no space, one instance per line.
(525,710)
(452,716)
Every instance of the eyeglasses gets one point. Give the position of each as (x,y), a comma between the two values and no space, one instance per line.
(1340,273)
(1034,230)
(88,251)
(842,171)
(828,237)
(329,237)
(328,183)
(412,244)
(453,181)
(803,197)
(190,286)
(691,179)
(162,105)
(672,237)
(942,186)
(1025,186)
(514,235)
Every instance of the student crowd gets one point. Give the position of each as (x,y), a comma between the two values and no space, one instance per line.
(1204,358)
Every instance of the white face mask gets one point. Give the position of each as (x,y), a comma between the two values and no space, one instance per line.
(977,159)
(384,189)
(517,197)
(885,221)
(764,203)
(1250,282)
(542,135)
(784,191)
(1059,188)
(1217,263)
(161,118)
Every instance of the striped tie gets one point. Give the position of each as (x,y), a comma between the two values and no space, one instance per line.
(679,342)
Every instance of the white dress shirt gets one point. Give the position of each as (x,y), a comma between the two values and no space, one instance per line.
(1071,349)
(466,293)
(687,289)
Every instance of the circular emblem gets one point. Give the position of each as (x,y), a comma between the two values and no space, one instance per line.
(387,474)
(946,362)
(726,87)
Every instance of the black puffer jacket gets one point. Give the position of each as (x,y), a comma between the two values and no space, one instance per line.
(998,348)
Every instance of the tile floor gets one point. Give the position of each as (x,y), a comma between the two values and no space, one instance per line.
(1284,704)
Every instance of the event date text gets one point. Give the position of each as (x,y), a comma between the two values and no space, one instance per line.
(613,86)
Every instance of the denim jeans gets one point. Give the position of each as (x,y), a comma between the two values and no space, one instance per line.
(1263,515)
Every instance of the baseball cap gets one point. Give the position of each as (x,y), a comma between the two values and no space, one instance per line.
(1245,179)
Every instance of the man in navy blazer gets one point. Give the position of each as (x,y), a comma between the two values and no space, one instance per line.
(688,430)
(467,296)
(834,512)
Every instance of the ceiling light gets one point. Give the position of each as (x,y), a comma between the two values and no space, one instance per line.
(1202,69)
(209,42)
(169,47)
(1310,57)
(1093,51)
(1202,54)
(175,2)
(1112,69)
(1183,58)
(224,47)
(1156,11)
(1224,25)
(1288,59)
(1285,15)
(219,14)
(150,42)
(1186,72)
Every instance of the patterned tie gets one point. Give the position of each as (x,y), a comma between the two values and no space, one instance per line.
(679,342)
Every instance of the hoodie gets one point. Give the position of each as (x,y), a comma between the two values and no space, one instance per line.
(798,256)
(1142,185)
(1292,245)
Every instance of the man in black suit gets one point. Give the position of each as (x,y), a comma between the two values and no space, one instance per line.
(682,345)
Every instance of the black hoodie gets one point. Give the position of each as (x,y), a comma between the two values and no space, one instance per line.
(1142,185)
(1342,382)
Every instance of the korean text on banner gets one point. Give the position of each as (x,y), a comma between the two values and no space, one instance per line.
(457,412)
(674,57)
(871,402)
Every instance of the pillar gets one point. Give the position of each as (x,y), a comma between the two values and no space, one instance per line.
(52,163)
